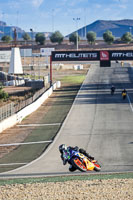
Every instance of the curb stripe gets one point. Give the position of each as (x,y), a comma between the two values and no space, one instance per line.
(55,124)
(16,144)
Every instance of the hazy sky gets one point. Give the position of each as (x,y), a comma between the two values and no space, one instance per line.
(52,15)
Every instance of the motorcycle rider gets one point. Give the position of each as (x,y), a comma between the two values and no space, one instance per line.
(63,147)
(124,93)
(112,89)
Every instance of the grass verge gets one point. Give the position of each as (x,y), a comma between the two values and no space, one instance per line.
(67,178)
(73,79)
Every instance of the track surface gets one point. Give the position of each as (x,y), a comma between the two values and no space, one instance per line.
(99,122)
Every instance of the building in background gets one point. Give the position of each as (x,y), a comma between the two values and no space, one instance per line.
(9,30)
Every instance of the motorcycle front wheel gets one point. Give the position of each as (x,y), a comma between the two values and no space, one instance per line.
(78,164)
(97,167)
(72,168)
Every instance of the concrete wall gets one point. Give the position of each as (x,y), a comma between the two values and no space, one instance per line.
(18,117)
(7,123)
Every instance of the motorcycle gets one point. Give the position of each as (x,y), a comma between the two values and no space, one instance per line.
(112,92)
(79,161)
(124,94)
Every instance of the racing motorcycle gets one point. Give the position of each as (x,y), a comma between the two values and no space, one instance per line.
(79,161)
(112,90)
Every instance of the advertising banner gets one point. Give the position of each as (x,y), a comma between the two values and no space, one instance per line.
(121,55)
(75,56)
(102,55)
(46,51)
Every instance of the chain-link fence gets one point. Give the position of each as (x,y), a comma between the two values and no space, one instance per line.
(10,109)
(6,111)
(26,102)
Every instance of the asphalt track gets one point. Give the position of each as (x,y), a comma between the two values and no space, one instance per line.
(98,121)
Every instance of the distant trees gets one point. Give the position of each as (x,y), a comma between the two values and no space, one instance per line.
(56,37)
(6,38)
(91,37)
(127,37)
(73,38)
(26,36)
(40,38)
(108,37)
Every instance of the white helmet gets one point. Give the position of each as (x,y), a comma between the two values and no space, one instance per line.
(62,147)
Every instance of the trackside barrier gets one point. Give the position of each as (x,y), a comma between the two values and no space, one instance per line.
(8,122)
(18,117)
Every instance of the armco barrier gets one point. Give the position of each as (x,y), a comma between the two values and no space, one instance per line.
(18,117)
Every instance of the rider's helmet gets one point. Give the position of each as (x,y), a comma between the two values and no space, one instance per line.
(62,147)
(112,87)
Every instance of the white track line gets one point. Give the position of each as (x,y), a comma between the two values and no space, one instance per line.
(127,96)
(9,164)
(16,144)
(130,102)
(55,124)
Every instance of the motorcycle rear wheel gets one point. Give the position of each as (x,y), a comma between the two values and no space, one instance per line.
(78,164)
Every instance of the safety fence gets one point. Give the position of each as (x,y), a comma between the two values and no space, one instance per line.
(12,108)
(29,100)
(6,111)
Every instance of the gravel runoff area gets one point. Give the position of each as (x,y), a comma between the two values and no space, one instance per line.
(118,189)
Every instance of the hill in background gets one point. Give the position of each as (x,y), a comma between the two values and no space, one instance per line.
(117,27)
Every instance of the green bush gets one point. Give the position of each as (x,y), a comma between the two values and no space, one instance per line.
(56,37)
(127,37)
(3,95)
(108,37)
(91,37)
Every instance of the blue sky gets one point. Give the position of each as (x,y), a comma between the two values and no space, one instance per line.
(52,15)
